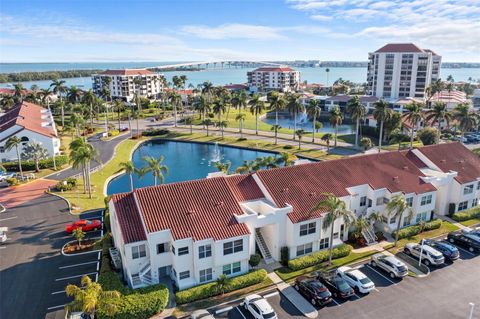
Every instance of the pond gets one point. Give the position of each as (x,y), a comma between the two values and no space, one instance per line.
(286,121)
(185,161)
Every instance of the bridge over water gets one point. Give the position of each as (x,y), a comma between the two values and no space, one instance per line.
(214,64)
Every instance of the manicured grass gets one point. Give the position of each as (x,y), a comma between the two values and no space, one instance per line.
(471,222)
(403,145)
(287,275)
(78,198)
(183,310)
(444,229)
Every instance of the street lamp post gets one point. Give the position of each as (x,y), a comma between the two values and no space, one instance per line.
(421,253)
(472,308)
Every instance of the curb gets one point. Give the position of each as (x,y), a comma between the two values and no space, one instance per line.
(412,262)
(66,200)
(2,208)
(77,254)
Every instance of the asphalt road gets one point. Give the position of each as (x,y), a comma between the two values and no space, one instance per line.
(31,265)
(445,293)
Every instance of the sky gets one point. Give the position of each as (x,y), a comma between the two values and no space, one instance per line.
(214,30)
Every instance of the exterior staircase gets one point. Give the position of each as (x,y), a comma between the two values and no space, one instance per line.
(263,247)
(369,235)
(143,278)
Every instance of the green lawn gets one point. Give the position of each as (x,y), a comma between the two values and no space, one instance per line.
(471,222)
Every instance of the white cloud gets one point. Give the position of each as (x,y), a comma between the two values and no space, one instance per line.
(321,17)
(233,31)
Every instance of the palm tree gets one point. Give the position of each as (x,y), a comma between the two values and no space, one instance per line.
(202,106)
(414,115)
(256,107)
(130,170)
(313,111)
(277,103)
(82,154)
(381,113)
(12,142)
(357,111)
(36,152)
(207,123)
(218,108)
(79,235)
(45,96)
(247,167)
(336,119)
(7,101)
(90,99)
(58,87)
(300,134)
(155,166)
(119,107)
(438,113)
(76,121)
(223,167)
(19,91)
(222,125)
(286,158)
(207,89)
(240,118)
(327,137)
(176,101)
(275,128)
(189,121)
(336,209)
(90,297)
(74,94)
(466,118)
(294,106)
(396,207)
(222,283)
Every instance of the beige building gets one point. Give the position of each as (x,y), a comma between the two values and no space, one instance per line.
(282,79)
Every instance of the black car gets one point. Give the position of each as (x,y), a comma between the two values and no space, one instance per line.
(449,251)
(469,241)
(338,286)
(313,290)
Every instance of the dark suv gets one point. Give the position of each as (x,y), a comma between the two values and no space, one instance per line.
(449,251)
(313,290)
(337,285)
(467,240)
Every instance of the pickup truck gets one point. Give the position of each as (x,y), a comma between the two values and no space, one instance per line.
(394,267)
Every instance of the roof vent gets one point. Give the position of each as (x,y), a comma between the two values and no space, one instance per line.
(395,178)
(219,203)
(312,194)
(405,168)
(284,190)
(190,212)
(443,161)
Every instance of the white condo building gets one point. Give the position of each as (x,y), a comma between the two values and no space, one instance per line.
(284,79)
(29,122)
(123,83)
(192,232)
(400,70)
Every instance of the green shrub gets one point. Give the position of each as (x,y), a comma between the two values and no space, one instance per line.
(42,164)
(254,260)
(210,289)
(319,257)
(417,229)
(66,185)
(467,214)
(155,132)
(12,181)
(288,147)
(240,139)
(284,255)
(113,133)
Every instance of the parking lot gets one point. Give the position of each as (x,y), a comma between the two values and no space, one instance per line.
(33,272)
(444,293)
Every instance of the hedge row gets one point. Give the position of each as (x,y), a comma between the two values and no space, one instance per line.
(416,229)
(155,132)
(467,214)
(42,164)
(319,257)
(210,289)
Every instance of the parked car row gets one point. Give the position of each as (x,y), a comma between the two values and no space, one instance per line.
(472,138)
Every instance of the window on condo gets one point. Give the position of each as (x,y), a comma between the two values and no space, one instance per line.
(183,251)
(462,206)
(409,201)
(379,201)
(233,247)
(232,268)
(393,220)
(304,249)
(468,189)
(205,275)
(406,221)
(474,202)
(204,251)
(425,200)
(138,251)
(478,186)
(173,249)
(363,201)
(324,243)
(307,229)
(421,216)
(162,248)
(184,275)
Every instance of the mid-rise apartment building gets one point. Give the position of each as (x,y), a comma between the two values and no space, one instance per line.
(401,70)
(284,79)
(192,232)
(124,84)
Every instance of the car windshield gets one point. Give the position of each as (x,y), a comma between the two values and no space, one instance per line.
(88,222)
(255,299)
(269,315)
(365,281)
(342,285)
(402,268)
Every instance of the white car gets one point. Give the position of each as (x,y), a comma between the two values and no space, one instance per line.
(356,279)
(201,314)
(390,264)
(3,234)
(430,256)
(259,307)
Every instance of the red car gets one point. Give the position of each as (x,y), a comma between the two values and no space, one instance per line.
(85,225)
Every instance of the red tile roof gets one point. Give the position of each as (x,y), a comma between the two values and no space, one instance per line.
(28,116)
(399,47)
(128,218)
(274,69)
(199,209)
(454,157)
(449,97)
(244,187)
(127,72)
(301,186)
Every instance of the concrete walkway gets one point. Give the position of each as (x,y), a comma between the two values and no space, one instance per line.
(17,195)
(294,297)
(378,246)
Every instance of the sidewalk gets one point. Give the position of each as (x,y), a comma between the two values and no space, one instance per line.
(294,297)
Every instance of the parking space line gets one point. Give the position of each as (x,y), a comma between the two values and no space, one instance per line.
(4,219)
(356,296)
(223,310)
(241,313)
(58,292)
(98,266)
(466,251)
(336,302)
(370,267)
(275,293)
(76,265)
(77,276)
(55,307)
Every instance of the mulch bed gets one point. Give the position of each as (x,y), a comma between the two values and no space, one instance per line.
(73,248)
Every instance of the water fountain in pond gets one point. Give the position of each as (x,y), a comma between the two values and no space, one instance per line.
(216,156)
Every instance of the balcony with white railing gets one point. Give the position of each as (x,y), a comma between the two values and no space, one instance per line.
(261,212)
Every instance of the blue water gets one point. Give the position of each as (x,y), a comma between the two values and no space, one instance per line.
(185,161)
(286,121)
(216,76)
